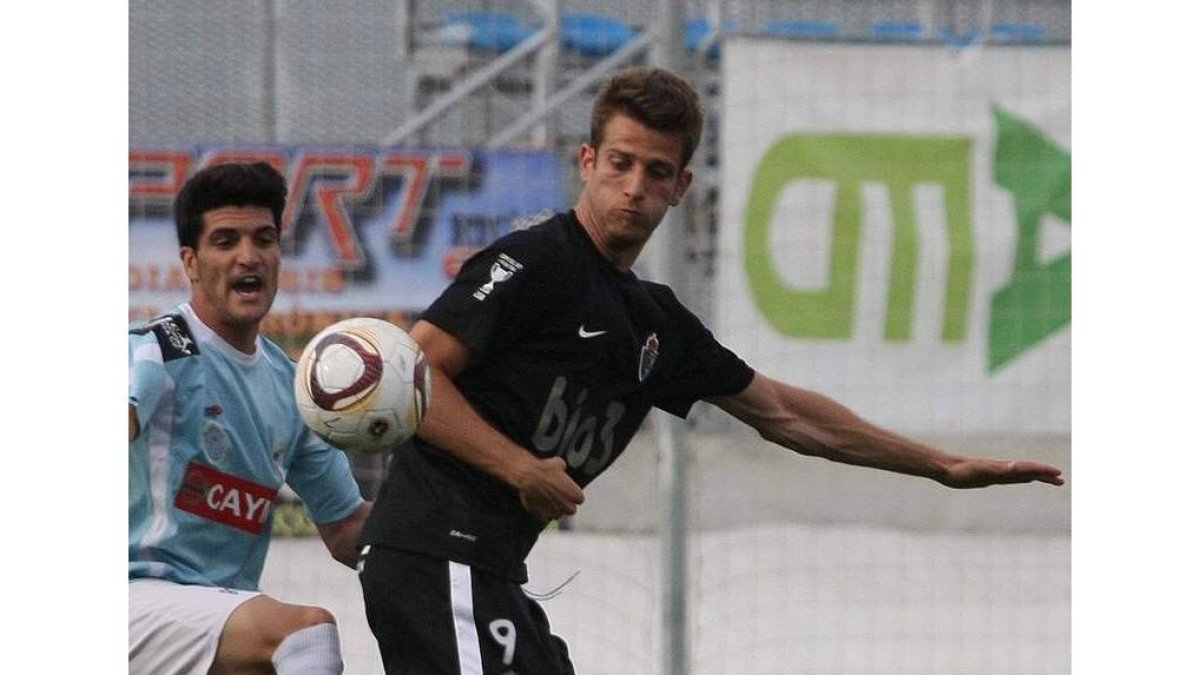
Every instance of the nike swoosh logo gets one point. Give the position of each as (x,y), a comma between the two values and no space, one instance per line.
(589,333)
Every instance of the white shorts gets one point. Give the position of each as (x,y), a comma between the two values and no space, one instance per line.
(174,628)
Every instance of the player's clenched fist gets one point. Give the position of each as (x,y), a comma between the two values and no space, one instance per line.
(547,491)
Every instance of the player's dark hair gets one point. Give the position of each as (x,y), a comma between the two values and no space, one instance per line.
(232,184)
(656,98)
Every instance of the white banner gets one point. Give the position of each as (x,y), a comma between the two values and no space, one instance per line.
(895,229)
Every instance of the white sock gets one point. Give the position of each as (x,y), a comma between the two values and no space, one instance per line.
(315,650)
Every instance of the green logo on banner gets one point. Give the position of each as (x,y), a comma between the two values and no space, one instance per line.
(1034,304)
(901,163)
(1037,300)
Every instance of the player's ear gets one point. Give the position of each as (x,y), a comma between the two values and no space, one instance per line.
(191,266)
(587,161)
(681,186)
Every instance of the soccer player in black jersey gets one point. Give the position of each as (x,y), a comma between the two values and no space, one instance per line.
(547,354)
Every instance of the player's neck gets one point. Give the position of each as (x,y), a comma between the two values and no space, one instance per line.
(243,338)
(622,255)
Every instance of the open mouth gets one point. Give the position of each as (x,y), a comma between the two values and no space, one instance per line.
(248,285)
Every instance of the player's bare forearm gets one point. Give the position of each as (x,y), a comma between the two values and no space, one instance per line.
(812,424)
(453,425)
(341,537)
(545,488)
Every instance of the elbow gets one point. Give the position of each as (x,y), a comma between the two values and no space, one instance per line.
(345,551)
(349,558)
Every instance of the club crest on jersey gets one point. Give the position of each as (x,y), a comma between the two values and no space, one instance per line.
(502,270)
(215,442)
(649,356)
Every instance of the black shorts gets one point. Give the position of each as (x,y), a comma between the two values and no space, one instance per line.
(434,616)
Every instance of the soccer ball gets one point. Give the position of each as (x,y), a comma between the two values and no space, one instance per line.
(362,385)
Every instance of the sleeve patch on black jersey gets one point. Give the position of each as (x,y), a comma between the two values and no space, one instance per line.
(174,337)
(502,270)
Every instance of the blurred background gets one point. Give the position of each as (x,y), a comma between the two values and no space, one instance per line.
(881,212)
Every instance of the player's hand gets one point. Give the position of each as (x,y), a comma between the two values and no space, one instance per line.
(547,492)
(975,473)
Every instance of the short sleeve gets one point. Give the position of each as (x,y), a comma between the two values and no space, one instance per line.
(707,368)
(321,475)
(502,291)
(148,378)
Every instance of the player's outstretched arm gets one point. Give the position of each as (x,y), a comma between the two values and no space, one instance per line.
(545,488)
(812,424)
(341,537)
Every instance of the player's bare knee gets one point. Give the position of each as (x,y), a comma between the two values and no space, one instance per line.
(297,618)
(312,616)
(266,622)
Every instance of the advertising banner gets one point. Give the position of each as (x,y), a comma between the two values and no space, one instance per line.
(895,229)
(366,231)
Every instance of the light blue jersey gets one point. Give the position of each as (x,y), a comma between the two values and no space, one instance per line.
(219,436)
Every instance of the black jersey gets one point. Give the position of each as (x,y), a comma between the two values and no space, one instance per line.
(568,355)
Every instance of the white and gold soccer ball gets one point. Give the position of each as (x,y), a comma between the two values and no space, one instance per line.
(363,385)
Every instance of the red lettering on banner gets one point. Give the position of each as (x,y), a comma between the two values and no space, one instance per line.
(415,170)
(170,168)
(357,173)
(418,172)
(224,498)
(331,181)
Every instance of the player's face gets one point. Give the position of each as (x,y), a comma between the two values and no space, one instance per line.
(234,269)
(629,182)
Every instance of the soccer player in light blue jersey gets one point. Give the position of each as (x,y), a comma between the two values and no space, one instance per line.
(213,435)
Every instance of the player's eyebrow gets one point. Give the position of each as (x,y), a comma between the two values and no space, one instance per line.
(662,165)
(650,162)
(229,230)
